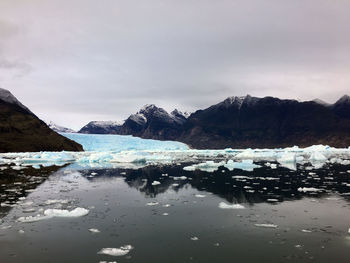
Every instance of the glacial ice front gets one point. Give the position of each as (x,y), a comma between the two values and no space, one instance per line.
(115,151)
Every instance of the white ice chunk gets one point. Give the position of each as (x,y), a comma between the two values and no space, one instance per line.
(122,251)
(152,203)
(155,183)
(266,225)
(94,230)
(246,165)
(308,189)
(223,205)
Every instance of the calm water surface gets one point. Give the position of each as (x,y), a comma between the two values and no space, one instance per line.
(185,222)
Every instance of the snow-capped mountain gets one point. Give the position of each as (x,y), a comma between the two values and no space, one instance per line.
(154,122)
(22,131)
(58,128)
(101,127)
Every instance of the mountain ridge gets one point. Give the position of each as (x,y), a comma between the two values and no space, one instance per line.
(247,121)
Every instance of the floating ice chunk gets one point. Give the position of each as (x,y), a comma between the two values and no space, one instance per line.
(273,166)
(246,165)
(240,177)
(208,166)
(21,231)
(31,219)
(190,168)
(266,225)
(122,251)
(165,214)
(94,230)
(194,238)
(56,201)
(77,212)
(152,203)
(223,205)
(155,183)
(200,196)
(309,189)
(306,231)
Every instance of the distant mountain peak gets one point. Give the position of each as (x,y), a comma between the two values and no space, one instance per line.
(343,99)
(148,108)
(58,128)
(101,127)
(178,113)
(238,101)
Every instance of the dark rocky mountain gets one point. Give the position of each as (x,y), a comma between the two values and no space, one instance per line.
(101,127)
(152,122)
(22,131)
(57,128)
(342,107)
(242,122)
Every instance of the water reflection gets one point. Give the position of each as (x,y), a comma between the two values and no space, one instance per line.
(262,185)
(15,185)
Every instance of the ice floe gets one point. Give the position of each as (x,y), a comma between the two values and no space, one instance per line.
(129,152)
(309,189)
(223,205)
(152,203)
(94,230)
(155,183)
(246,165)
(121,251)
(50,213)
(266,225)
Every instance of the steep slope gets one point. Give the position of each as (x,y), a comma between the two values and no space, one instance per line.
(101,127)
(22,131)
(152,122)
(265,122)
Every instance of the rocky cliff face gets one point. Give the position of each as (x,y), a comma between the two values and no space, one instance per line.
(22,131)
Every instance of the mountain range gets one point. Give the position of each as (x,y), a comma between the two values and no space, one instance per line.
(236,122)
(247,121)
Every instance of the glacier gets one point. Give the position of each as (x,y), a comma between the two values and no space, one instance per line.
(116,151)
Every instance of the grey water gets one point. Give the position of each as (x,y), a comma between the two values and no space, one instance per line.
(181,219)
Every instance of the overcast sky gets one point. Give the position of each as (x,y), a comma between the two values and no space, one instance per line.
(72,61)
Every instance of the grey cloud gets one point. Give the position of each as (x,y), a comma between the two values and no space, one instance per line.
(104,60)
